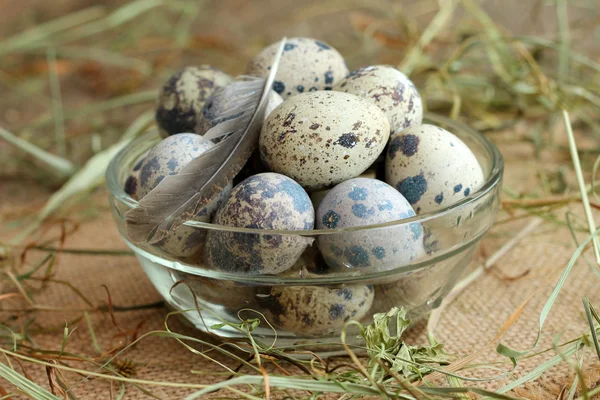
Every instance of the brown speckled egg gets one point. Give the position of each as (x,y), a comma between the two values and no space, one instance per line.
(362,202)
(431,167)
(169,157)
(322,138)
(390,90)
(132,184)
(264,201)
(306,65)
(218,106)
(317,310)
(183,96)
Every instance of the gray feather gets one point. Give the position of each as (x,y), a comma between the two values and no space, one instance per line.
(179,197)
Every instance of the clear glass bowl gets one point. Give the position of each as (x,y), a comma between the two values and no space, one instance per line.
(309,303)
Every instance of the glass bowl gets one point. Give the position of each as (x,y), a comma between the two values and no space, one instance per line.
(308,304)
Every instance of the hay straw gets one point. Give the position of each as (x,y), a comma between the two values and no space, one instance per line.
(582,187)
(62,166)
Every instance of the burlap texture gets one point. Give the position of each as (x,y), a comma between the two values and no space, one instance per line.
(467,324)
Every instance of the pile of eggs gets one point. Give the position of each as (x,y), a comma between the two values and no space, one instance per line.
(338,149)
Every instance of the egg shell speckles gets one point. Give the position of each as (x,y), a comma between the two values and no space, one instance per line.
(390,90)
(361,202)
(306,65)
(323,138)
(132,183)
(431,167)
(182,97)
(264,201)
(169,157)
(317,310)
(217,107)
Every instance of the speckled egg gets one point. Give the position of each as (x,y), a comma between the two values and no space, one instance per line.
(185,241)
(317,310)
(264,201)
(390,90)
(233,296)
(182,97)
(431,167)
(169,157)
(217,107)
(306,65)
(361,202)
(132,183)
(322,138)
(318,195)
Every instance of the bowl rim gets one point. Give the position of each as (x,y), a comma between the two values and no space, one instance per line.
(492,180)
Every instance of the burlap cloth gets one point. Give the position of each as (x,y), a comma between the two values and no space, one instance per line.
(468,323)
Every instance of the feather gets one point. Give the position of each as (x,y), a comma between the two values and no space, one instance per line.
(178,198)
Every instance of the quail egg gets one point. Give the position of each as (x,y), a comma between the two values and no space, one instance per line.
(431,167)
(133,180)
(264,201)
(183,96)
(169,157)
(322,138)
(318,195)
(306,65)
(361,202)
(390,90)
(317,310)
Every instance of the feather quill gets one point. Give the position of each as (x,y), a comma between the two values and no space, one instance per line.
(179,197)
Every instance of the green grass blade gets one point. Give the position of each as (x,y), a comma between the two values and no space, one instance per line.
(562,21)
(61,165)
(505,350)
(588,314)
(25,385)
(43,31)
(540,369)
(582,187)
(57,107)
(439,21)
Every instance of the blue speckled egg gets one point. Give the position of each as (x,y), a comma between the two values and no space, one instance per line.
(390,90)
(317,310)
(169,157)
(361,202)
(132,184)
(306,65)
(264,201)
(431,167)
(182,97)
